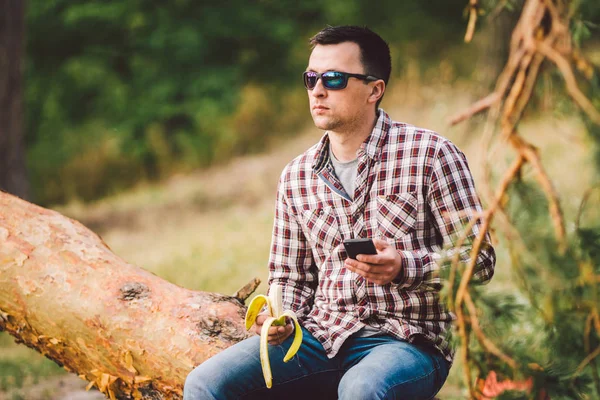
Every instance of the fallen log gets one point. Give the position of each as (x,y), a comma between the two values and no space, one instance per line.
(123,329)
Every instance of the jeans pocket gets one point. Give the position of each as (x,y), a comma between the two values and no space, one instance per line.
(442,369)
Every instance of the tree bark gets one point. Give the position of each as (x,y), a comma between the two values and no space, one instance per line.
(13,176)
(127,331)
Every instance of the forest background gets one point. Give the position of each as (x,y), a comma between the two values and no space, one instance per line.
(137,113)
(122,92)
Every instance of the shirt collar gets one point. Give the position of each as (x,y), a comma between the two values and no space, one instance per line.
(371,146)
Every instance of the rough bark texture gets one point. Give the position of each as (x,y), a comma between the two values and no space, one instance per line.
(13,176)
(131,333)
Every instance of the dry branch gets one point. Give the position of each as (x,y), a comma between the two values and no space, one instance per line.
(464,344)
(541,32)
(570,81)
(473,10)
(484,340)
(476,108)
(508,177)
(587,360)
(530,153)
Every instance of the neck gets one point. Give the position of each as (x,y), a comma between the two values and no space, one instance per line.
(344,144)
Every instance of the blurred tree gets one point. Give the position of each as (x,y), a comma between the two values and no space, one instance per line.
(122,91)
(545,336)
(494,45)
(13,176)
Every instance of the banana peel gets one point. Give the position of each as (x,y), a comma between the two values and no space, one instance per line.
(277,317)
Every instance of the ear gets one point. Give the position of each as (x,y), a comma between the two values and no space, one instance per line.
(376,91)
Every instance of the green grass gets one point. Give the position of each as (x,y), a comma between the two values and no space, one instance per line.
(211,230)
(21,371)
(21,366)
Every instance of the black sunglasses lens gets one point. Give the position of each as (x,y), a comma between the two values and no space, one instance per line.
(331,80)
(310,80)
(334,80)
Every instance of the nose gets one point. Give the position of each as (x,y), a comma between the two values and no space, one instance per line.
(319,90)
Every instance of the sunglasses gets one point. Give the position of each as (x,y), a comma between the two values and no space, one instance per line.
(333,80)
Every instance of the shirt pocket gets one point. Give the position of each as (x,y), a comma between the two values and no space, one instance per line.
(321,226)
(396,214)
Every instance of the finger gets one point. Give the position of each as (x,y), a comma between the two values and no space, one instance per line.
(352,268)
(371,258)
(258,323)
(377,274)
(280,335)
(381,279)
(380,244)
(357,266)
(275,330)
(261,318)
(368,275)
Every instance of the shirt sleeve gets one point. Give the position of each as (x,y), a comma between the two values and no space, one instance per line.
(453,204)
(291,263)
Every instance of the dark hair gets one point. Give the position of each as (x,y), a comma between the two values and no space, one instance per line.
(374,51)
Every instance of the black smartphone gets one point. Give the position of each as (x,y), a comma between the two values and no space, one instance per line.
(355,247)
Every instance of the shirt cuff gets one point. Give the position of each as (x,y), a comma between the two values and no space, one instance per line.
(416,268)
(408,271)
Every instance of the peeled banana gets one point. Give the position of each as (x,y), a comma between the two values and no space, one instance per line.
(277,317)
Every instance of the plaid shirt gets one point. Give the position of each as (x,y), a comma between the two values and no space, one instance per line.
(413,189)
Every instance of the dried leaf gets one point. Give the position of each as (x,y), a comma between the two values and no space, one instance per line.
(141,379)
(128,359)
(103,383)
(95,372)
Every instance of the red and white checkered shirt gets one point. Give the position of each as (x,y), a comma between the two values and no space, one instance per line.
(413,189)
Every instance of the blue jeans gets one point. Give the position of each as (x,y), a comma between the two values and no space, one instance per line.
(376,367)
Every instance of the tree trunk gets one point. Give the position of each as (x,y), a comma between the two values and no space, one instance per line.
(13,176)
(129,332)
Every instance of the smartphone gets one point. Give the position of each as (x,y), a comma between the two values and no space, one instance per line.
(355,247)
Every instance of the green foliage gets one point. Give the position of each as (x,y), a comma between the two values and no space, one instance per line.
(586,20)
(593,92)
(118,92)
(548,326)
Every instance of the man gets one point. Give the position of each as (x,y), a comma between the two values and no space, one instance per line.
(374,328)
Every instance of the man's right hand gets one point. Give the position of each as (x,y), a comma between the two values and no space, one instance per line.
(277,334)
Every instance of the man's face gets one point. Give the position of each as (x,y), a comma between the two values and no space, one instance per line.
(339,110)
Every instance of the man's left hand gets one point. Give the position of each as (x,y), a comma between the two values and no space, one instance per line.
(380,268)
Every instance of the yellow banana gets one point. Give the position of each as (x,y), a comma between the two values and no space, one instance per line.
(277,317)
(254,308)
